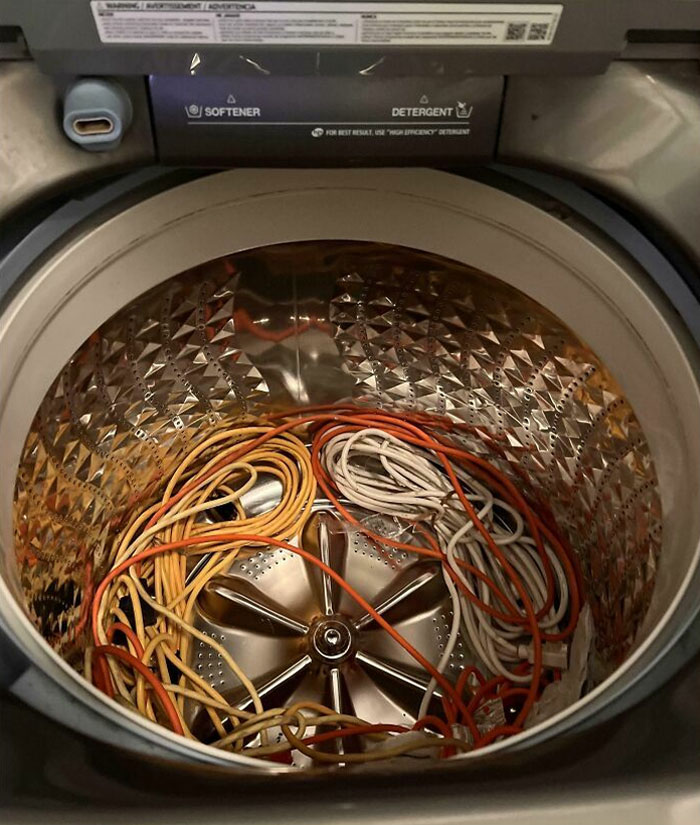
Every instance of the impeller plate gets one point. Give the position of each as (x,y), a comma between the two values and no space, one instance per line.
(299,636)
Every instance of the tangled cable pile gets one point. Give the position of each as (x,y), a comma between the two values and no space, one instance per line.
(513,584)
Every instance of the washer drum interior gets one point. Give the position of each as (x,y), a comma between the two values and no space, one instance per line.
(247,292)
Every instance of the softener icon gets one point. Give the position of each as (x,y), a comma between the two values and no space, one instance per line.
(464,112)
(193,110)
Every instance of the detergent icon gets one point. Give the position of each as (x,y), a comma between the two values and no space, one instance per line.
(464,111)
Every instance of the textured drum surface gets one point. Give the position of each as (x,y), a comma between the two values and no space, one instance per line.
(315,323)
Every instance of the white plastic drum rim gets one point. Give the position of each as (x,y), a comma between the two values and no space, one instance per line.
(614,309)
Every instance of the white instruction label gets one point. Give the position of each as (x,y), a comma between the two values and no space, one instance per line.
(320,24)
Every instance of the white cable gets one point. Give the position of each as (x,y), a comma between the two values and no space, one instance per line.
(379,472)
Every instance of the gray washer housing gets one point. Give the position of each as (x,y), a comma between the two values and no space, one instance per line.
(551,140)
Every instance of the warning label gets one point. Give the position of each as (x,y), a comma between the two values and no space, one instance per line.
(313,24)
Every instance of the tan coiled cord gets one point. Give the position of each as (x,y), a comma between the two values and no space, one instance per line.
(162,583)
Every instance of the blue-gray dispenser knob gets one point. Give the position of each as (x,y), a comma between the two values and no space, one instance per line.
(96,113)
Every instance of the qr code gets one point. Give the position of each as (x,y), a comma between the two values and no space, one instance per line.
(538,31)
(516,31)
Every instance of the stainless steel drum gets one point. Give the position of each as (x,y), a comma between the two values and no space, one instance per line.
(250,291)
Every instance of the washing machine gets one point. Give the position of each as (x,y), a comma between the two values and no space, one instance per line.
(487,212)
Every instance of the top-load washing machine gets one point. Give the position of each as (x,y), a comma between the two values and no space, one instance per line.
(483,215)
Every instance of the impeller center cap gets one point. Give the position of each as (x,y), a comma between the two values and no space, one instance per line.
(331,639)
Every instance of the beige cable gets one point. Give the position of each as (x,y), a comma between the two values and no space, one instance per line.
(162,582)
